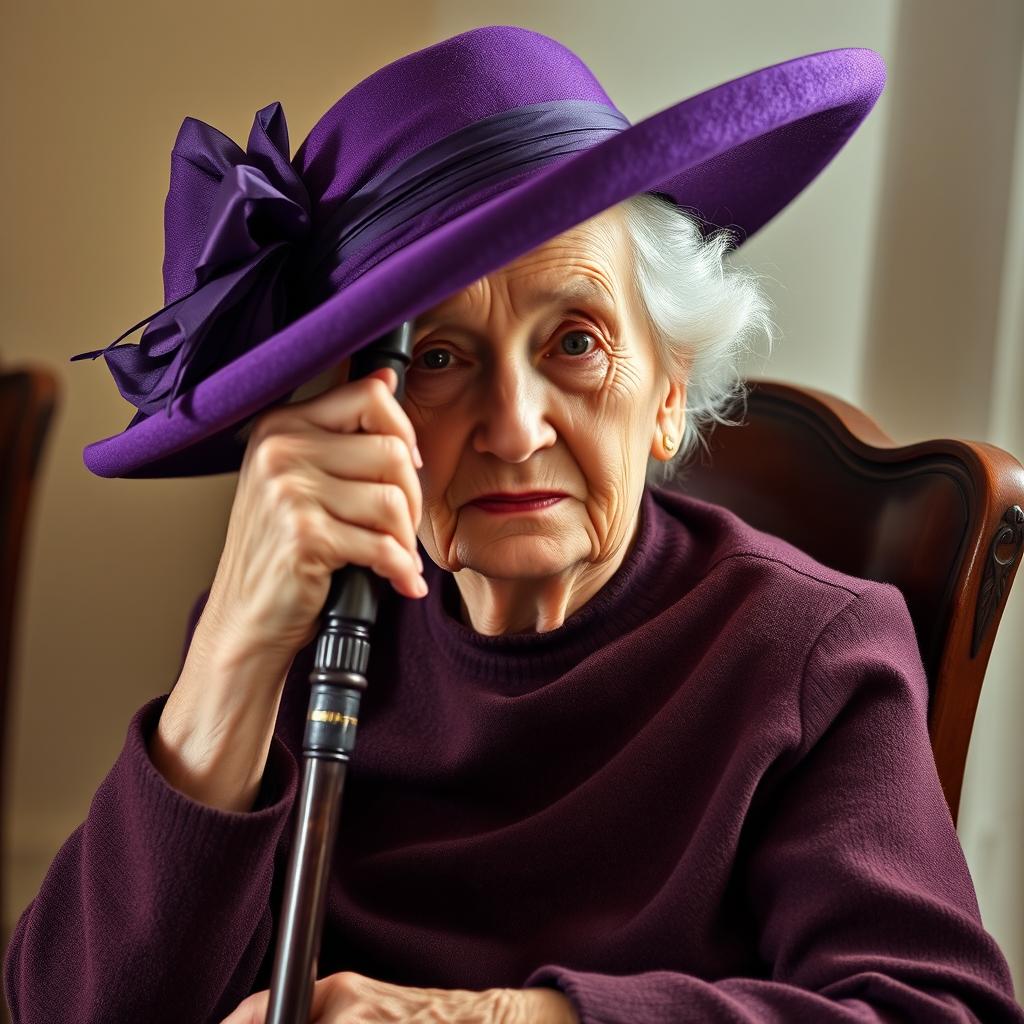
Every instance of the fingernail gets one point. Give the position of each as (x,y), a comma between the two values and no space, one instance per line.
(419,561)
(416,457)
(421,586)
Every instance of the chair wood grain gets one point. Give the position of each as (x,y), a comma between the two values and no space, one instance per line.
(941,519)
(28,398)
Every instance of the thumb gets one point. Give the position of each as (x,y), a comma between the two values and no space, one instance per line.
(388,375)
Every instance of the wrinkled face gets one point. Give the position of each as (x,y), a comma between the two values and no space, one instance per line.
(540,376)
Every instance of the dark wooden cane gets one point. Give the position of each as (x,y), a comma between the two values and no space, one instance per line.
(337,682)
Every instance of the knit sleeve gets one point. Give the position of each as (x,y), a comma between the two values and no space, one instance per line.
(862,900)
(157,907)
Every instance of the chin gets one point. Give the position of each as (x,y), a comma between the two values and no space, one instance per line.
(522,556)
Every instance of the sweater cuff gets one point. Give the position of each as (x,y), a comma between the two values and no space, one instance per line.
(250,835)
(601,998)
(585,990)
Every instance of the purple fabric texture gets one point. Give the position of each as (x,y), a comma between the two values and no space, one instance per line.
(258,214)
(733,156)
(708,796)
(260,262)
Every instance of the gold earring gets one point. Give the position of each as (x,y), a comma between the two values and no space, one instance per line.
(668,442)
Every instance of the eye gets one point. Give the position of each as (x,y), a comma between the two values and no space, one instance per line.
(435,358)
(576,346)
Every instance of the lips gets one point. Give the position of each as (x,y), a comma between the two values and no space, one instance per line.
(518,504)
(525,496)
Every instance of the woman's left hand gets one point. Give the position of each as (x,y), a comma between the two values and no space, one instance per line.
(351,998)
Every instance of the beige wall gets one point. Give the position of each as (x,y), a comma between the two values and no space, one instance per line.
(886,292)
(113,565)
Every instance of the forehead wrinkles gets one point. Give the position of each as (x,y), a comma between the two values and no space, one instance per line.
(582,263)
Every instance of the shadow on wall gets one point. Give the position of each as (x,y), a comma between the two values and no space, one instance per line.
(946,192)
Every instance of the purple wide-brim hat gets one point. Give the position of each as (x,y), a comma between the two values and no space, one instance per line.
(432,172)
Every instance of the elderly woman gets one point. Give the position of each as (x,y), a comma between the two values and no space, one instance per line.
(623,757)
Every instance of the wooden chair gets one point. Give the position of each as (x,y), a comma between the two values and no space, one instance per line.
(940,519)
(28,397)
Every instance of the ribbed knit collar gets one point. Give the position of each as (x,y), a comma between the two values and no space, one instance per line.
(647,580)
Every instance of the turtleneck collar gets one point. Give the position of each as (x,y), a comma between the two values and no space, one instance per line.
(647,579)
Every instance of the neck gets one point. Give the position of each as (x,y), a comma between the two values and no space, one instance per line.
(495,607)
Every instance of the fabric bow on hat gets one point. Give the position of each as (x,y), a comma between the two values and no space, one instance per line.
(247,214)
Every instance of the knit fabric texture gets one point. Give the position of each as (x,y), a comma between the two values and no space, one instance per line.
(708,796)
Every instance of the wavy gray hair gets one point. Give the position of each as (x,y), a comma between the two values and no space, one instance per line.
(705,316)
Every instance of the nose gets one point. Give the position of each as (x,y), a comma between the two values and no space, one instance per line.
(514,421)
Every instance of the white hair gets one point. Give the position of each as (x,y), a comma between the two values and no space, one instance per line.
(705,315)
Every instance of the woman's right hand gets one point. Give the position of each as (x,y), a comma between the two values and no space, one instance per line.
(313,495)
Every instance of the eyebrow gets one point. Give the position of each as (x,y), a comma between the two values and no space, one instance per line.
(573,288)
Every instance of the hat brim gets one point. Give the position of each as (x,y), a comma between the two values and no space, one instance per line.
(733,155)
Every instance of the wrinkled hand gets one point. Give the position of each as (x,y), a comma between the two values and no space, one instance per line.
(351,998)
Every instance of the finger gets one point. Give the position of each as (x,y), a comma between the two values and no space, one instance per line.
(323,989)
(251,1010)
(344,372)
(376,550)
(370,505)
(389,375)
(367,404)
(374,458)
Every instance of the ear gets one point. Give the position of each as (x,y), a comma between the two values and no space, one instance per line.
(670,421)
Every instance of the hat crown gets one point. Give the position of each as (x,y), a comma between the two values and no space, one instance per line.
(421,98)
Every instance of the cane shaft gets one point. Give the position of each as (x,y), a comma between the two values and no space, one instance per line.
(301,928)
(338,681)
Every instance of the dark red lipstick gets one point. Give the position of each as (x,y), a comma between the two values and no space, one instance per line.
(525,501)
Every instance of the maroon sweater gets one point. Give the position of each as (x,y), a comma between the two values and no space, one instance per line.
(708,796)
